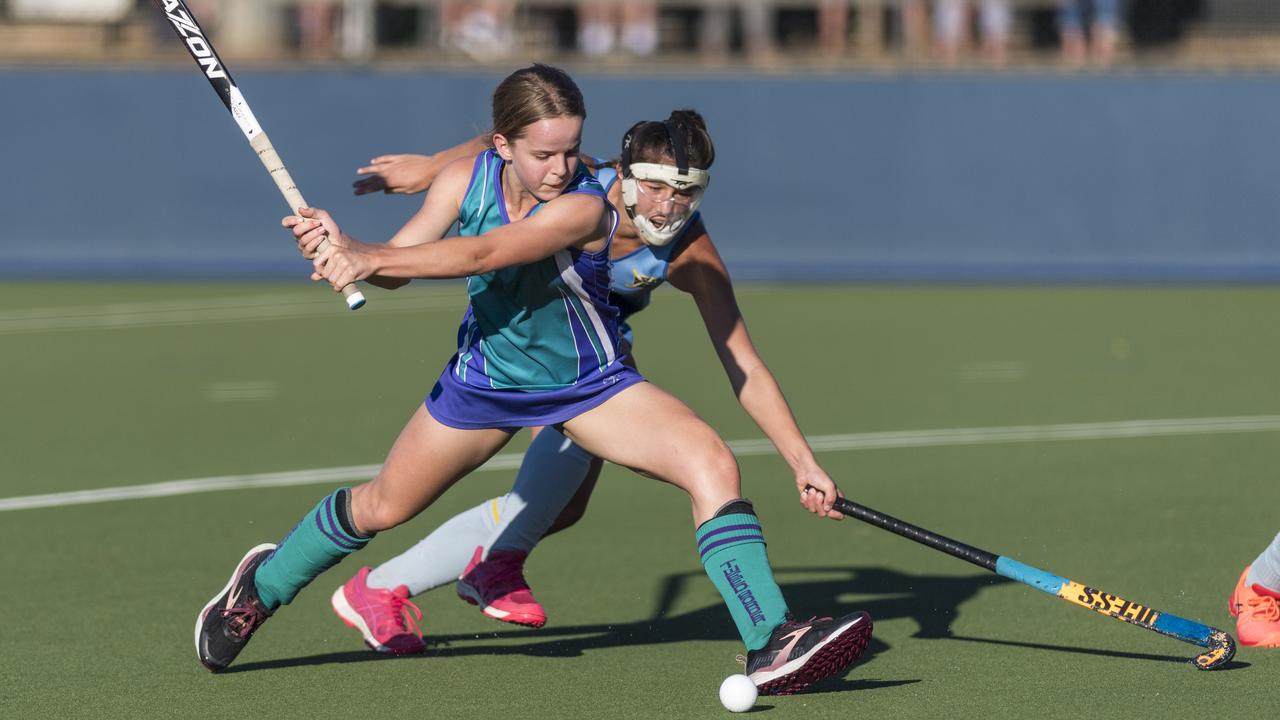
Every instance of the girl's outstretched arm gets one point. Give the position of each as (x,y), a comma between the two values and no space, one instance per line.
(570,220)
(432,221)
(406,174)
(699,271)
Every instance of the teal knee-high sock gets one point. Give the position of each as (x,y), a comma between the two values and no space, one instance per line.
(733,553)
(318,542)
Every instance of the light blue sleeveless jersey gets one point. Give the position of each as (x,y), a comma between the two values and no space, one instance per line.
(537,327)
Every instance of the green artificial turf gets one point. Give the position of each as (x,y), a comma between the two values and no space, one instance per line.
(118,385)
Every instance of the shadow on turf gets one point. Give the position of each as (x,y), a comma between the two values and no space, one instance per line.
(933,602)
(1233,665)
(847,685)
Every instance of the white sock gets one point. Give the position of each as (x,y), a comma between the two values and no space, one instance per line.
(552,471)
(1266,569)
(439,558)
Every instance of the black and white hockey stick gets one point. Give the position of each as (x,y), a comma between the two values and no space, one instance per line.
(189,30)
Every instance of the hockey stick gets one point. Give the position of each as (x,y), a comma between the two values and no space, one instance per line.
(1220,647)
(184,23)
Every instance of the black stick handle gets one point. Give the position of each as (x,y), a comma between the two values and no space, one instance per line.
(969,553)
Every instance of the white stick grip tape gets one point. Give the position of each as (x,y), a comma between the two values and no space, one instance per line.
(274,165)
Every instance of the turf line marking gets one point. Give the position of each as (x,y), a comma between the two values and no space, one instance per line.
(992,372)
(242,308)
(820,443)
(225,482)
(1027,433)
(167,313)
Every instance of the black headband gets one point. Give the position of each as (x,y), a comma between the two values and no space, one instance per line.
(675,133)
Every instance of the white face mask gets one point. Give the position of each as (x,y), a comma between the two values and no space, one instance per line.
(681,190)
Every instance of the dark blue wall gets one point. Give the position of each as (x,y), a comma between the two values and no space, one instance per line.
(1011,177)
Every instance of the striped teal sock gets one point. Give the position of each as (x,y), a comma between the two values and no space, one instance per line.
(323,537)
(733,554)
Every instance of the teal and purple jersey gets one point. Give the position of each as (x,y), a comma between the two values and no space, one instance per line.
(539,342)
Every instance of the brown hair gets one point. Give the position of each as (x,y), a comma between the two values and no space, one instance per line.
(650,141)
(534,93)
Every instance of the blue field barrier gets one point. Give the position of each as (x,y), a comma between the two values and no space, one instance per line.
(1138,176)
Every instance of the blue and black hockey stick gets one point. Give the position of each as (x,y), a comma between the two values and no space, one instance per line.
(1219,646)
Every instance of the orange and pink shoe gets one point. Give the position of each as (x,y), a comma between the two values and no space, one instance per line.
(1257,613)
(497,585)
(386,618)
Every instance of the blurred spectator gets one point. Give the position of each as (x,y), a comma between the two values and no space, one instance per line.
(480,28)
(914,18)
(833,27)
(951,29)
(598,26)
(206,12)
(315,27)
(1102,17)
(358,31)
(757,29)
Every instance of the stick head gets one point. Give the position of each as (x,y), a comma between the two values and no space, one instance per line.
(1222,647)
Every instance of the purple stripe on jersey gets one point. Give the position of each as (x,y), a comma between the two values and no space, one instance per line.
(335,535)
(594,270)
(758,537)
(475,176)
(590,269)
(590,359)
(497,189)
(587,359)
(475,360)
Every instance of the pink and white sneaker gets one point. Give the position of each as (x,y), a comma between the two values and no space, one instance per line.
(497,585)
(386,618)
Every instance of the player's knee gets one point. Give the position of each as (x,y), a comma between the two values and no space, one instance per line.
(725,465)
(373,513)
(719,470)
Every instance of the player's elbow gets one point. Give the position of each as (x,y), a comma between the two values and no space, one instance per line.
(387,283)
(482,261)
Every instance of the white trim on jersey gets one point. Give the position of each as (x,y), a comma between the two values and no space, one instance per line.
(484,189)
(573,281)
(569,313)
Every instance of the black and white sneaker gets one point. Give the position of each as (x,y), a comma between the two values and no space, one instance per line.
(225,625)
(800,654)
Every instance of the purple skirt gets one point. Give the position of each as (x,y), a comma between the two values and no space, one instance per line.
(467,407)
